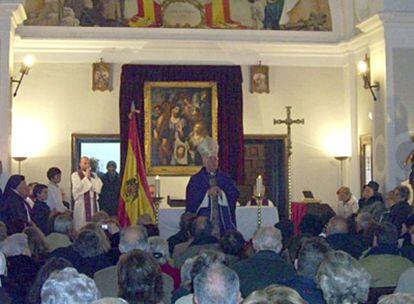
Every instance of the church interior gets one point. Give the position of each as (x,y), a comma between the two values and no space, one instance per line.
(283,101)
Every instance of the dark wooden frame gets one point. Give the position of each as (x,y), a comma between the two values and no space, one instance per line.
(79,138)
(364,141)
(262,69)
(276,137)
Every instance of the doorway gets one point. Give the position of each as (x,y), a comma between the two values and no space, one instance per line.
(266,155)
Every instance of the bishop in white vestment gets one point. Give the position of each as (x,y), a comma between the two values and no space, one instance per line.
(86,187)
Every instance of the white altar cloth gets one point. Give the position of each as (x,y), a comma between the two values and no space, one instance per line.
(246,217)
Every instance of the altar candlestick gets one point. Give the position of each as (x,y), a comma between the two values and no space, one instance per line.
(259,185)
(157,186)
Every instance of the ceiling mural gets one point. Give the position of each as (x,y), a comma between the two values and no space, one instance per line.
(297,15)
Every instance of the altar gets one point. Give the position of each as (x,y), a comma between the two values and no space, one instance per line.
(246,217)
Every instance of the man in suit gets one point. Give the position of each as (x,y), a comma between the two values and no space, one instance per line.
(339,238)
(265,267)
(202,230)
(310,255)
(132,238)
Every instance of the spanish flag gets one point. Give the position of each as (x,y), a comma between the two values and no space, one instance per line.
(135,197)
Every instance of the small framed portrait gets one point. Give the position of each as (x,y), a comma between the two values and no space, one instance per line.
(259,79)
(102,77)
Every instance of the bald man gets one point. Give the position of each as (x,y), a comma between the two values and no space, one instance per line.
(339,238)
(86,187)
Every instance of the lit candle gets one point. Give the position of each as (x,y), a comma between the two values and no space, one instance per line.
(259,186)
(157,186)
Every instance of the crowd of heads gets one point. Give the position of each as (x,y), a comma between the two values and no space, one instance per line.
(58,264)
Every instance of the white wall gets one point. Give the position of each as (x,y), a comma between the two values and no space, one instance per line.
(56,100)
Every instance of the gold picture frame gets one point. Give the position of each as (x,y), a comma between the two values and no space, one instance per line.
(178,116)
(101,76)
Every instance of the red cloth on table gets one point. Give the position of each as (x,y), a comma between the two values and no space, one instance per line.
(299,210)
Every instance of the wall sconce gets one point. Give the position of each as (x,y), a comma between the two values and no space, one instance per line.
(27,63)
(364,69)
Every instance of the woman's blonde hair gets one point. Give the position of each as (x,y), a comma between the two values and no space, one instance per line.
(37,241)
(275,294)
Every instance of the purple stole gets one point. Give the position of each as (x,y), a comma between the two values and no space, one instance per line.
(87,200)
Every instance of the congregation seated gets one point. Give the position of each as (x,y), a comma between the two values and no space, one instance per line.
(339,238)
(202,230)
(397,298)
(132,238)
(128,266)
(87,254)
(310,255)
(159,249)
(217,284)
(183,234)
(140,279)
(146,221)
(275,294)
(186,286)
(191,268)
(383,260)
(347,203)
(310,226)
(21,268)
(4,296)
(63,231)
(372,201)
(365,229)
(406,282)
(407,249)
(401,209)
(37,244)
(342,279)
(52,265)
(266,266)
(232,244)
(69,286)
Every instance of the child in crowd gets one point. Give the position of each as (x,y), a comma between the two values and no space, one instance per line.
(41,211)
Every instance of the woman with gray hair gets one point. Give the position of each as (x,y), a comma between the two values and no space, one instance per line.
(21,268)
(159,249)
(342,279)
(397,298)
(69,287)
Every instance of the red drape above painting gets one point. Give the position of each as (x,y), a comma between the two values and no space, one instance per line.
(230,108)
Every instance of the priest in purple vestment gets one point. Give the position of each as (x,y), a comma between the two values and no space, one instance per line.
(212,193)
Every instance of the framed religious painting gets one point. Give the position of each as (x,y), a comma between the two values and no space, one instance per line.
(101,76)
(178,117)
(259,79)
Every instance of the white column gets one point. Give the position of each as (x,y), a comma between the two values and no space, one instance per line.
(391,67)
(11,15)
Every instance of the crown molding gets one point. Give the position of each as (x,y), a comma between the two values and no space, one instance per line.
(198,46)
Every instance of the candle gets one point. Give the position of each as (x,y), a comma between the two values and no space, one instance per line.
(259,186)
(157,186)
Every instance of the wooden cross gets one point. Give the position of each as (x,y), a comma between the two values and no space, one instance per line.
(288,122)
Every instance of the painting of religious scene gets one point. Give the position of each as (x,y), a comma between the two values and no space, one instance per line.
(178,117)
(295,15)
